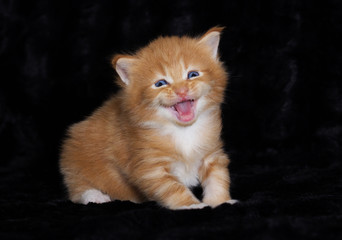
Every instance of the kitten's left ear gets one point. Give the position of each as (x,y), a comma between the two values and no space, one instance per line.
(211,39)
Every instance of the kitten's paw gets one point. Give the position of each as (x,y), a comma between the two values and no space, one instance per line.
(194,206)
(232,201)
(94,196)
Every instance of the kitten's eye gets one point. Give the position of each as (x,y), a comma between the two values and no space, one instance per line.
(193,74)
(161,83)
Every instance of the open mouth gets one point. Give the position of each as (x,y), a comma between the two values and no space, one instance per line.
(185,110)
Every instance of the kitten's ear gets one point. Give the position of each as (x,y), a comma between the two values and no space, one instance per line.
(123,65)
(211,39)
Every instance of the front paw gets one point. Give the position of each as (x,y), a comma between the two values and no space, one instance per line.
(193,206)
(217,202)
(232,201)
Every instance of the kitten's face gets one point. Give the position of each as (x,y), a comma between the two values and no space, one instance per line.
(174,79)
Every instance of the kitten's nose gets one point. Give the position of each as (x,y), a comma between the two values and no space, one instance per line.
(182,91)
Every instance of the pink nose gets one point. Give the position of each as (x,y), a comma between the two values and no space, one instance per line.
(182,92)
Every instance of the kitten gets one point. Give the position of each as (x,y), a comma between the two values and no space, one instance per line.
(160,135)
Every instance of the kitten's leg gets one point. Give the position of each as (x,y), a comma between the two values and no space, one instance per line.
(108,187)
(215,179)
(160,185)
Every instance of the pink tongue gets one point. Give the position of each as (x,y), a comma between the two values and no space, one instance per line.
(183,108)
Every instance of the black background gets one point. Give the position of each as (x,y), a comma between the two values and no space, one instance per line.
(282,115)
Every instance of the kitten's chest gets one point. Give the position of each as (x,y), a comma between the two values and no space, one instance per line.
(190,142)
(191,146)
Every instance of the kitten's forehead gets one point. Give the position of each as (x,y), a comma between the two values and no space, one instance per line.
(176,72)
(171,58)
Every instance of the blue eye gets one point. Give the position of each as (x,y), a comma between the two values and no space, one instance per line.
(193,74)
(161,83)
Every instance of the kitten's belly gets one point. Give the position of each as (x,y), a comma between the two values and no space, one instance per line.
(186,173)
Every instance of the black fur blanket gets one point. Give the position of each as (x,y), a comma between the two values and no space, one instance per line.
(282,115)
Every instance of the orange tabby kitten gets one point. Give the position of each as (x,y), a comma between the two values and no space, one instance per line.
(160,135)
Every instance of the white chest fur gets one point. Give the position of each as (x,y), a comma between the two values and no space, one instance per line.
(191,144)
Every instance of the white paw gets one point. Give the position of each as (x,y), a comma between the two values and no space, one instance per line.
(94,196)
(232,201)
(194,206)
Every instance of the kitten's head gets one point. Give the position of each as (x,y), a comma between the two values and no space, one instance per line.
(173,79)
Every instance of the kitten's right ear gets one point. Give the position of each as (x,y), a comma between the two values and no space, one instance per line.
(123,65)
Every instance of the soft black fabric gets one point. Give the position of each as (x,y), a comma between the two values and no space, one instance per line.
(282,115)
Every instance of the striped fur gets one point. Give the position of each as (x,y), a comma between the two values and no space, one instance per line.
(137,147)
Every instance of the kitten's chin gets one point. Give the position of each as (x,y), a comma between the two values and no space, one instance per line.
(184,112)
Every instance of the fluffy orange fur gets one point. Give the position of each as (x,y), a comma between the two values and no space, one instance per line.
(151,142)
